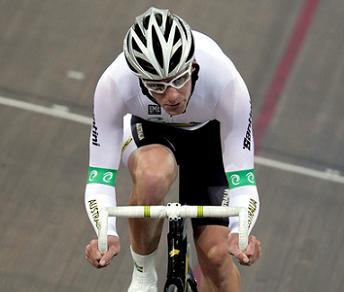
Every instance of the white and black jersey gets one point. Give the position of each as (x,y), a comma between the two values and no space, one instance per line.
(219,94)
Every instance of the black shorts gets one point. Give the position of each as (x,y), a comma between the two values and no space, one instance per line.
(202,179)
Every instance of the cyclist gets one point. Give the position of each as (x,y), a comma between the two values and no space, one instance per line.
(189,107)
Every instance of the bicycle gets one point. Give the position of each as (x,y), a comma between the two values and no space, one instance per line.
(179,274)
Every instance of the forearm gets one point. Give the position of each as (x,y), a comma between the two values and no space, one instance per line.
(98,196)
(246,197)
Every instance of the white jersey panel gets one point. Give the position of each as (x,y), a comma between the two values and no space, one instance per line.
(107,130)
(235,116)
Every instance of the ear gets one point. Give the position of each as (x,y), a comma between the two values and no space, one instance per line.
(194,66)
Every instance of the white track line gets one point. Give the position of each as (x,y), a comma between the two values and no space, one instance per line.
(325,175)
(54,111)
(63,113)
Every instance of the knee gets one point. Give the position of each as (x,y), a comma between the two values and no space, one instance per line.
(153,181)
(219,265)
(153,172)
(217,255)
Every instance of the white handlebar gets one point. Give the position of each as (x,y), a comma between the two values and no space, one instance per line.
(172,211)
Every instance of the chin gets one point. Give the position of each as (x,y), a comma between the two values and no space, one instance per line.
(177,112)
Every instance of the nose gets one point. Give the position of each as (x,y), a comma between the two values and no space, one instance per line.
(171,94)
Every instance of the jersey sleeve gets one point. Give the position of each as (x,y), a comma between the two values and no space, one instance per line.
(104,150)
(234,112)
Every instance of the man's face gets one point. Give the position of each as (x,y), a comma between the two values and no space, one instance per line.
(173,100)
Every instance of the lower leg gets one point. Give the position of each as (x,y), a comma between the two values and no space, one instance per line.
(153,170)
(220,274)
(144,233)
(231,283)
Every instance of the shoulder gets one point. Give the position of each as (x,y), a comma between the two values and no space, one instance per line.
(215,65)
(209,52)
(118,77)
(217,71)
(204,42)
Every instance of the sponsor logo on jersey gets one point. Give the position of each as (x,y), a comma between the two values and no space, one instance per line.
(139,130)
(95,133)
(247,138)
(252,208)
(225,198)
(93,206)
(154,109)
(126,143)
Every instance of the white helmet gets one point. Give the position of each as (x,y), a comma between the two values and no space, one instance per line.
(158,45)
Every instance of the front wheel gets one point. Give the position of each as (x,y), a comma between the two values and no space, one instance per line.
(191,285)
(172,288)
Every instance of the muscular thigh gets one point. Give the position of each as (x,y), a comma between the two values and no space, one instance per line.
(149,158)
(154,158)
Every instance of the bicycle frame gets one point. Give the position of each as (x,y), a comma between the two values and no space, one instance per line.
(178,269)
(177,240)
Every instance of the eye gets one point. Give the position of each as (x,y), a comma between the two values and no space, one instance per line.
(181,80)
(156,86)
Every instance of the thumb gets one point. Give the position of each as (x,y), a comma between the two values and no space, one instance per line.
(108,255)
(236,252)
(106,258)
(242,257)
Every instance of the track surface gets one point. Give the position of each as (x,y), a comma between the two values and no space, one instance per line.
(53,52)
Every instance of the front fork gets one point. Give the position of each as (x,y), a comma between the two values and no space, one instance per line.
(177,254)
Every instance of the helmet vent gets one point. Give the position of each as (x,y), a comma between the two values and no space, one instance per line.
(175,59)
(192,51)
(140,35)
(177,37)
(145,22)
(158,18)
(168,28)
(183,28)
(157,47)
(148,67)
(135,46)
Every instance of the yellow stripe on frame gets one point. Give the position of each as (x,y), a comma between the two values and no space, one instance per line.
(174,252)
